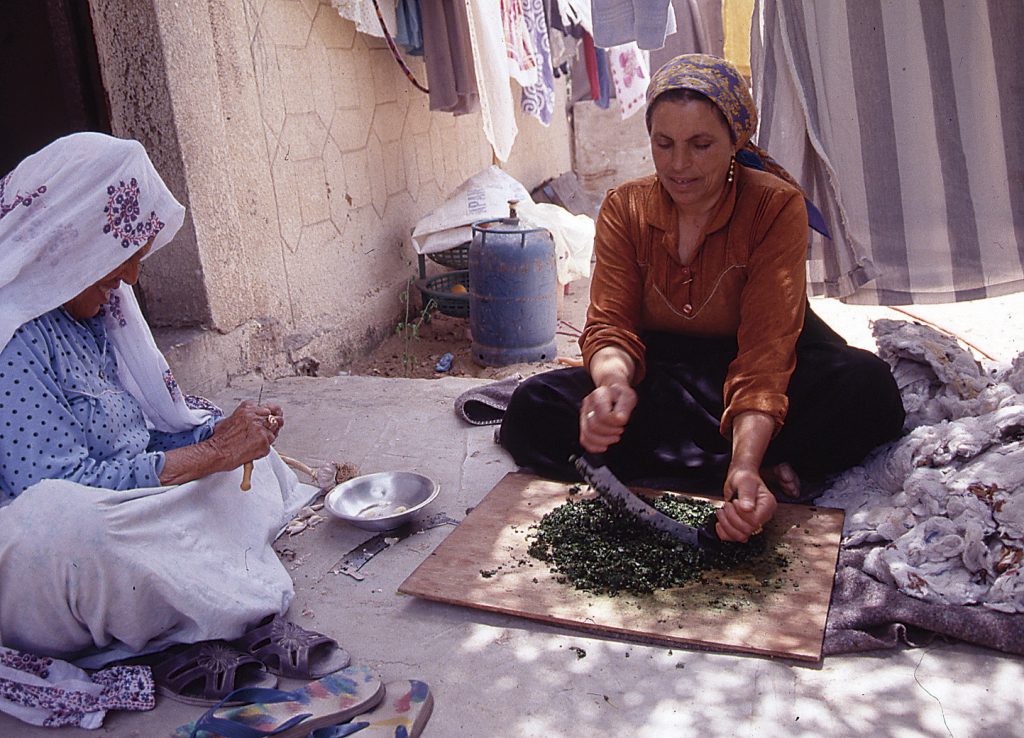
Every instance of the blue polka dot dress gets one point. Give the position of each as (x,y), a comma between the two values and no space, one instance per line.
(64,413)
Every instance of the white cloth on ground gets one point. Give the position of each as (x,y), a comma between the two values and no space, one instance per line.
(944,504)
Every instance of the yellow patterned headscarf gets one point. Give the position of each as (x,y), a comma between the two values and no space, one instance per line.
(719,81)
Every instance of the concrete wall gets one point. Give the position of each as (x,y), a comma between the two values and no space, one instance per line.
(608,149)
(304,157)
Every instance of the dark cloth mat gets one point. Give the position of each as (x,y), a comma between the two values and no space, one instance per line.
(868,615)
(485,405)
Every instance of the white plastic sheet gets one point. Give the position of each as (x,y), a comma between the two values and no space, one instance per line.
(485,196)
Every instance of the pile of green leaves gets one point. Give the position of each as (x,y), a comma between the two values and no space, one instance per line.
(606,550)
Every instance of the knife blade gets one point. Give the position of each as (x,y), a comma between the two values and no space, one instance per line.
(608,487)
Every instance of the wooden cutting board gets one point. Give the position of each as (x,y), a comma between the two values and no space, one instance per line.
(764,609)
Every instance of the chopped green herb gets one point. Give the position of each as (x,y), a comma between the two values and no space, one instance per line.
(607,551)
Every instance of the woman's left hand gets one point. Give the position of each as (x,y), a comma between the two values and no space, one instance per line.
(749,505)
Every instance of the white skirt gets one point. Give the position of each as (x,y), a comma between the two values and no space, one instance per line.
(88,569)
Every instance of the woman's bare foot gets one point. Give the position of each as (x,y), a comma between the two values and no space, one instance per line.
(782,478)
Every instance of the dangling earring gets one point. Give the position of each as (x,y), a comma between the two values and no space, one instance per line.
(732,171)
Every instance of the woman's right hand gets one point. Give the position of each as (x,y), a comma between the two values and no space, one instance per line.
(246,434)
(604,415)
(243,436)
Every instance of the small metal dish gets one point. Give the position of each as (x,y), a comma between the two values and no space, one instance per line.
(381,501)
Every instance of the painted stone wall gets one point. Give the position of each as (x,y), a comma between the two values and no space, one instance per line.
(304,157)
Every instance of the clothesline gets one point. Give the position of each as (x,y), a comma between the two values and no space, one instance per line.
(472,49)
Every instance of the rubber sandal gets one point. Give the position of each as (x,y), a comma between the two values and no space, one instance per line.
(290,651)
(402,714)
(205,673)
(290,714)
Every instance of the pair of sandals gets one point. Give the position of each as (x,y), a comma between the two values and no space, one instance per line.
(352,701)
(206,673)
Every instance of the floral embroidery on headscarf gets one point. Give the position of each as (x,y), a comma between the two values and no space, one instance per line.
(123,210)
(719,81)
(19,199)
(113,308)
(171,384)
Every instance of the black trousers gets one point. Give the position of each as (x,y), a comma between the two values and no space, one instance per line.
(843,402)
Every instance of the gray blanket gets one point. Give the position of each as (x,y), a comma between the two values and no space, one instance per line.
(867,615)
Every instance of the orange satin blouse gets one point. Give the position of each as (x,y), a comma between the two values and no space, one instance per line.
(747,279)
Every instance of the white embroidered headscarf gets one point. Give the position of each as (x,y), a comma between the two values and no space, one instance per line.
(69,215)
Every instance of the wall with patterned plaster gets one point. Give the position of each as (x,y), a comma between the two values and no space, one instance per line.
(305,157)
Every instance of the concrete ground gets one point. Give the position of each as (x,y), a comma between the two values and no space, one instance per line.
(497,676)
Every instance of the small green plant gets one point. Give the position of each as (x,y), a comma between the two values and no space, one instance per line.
(409,327)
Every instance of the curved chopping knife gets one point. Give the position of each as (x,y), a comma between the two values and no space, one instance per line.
(593,469)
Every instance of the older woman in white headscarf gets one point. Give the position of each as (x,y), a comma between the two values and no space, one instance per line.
(122,521)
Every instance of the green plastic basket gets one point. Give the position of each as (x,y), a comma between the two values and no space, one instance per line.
(453,258)
(439,289)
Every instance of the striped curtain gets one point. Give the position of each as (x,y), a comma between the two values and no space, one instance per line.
(904,120)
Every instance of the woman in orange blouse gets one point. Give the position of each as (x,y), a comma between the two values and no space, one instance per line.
(702,361)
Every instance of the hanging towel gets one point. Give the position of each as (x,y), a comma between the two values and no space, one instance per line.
(449,57)
(409,31)
(630,74)
(490,62)
(575,13)
(604,80)
(647,22)
(523,64)
(538,99)
(363,14)
(590,62)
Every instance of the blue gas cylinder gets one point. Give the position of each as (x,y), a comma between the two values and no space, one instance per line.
(513,282)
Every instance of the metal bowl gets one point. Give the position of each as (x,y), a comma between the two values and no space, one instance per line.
(381,501)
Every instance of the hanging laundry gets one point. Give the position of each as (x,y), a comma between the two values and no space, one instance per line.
(699,31)
(564,51)
(590,64)
(647,22)
(630,73)
(490,60)
(538,99)
(573,13)
(449,57)
(604,80)
(409,31)
(363,14)
(522,54)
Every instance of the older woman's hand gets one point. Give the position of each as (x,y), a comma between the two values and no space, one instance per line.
(247,433)
(243,436)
